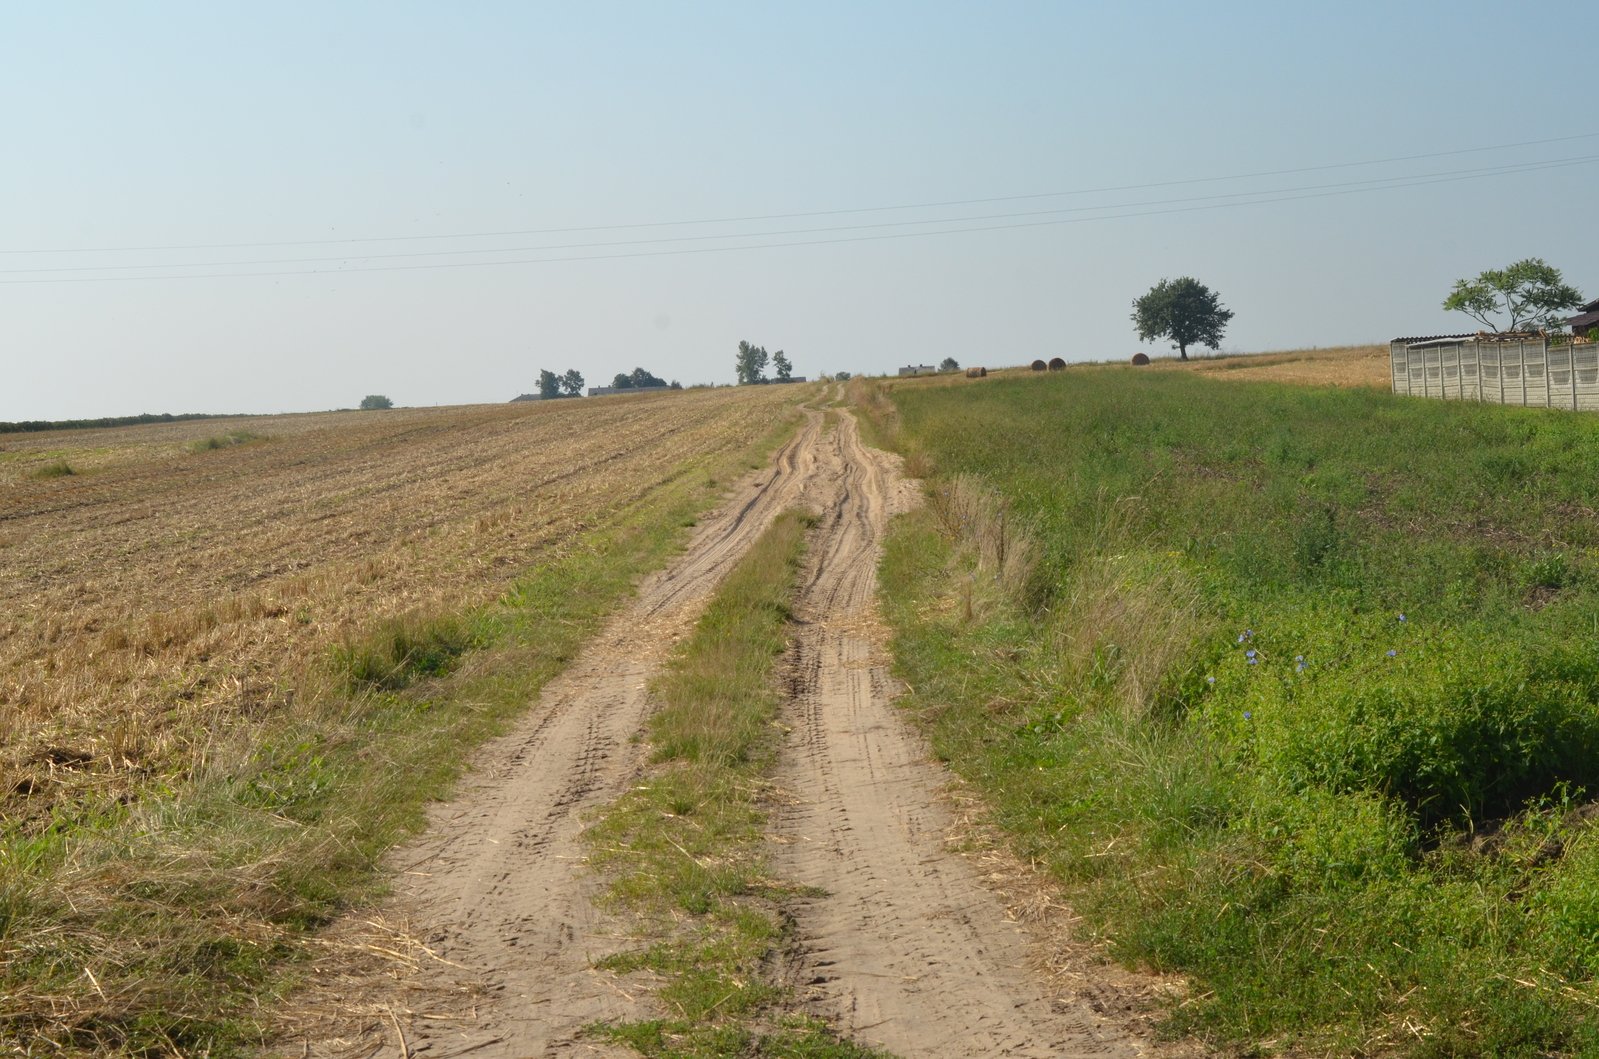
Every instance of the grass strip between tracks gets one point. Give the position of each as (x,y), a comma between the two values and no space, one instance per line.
(683,849)
(171,924)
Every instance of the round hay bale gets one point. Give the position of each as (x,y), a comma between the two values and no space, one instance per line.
(1056,364)
(1140,359)
(1039,365)
(971,373)
(982,373)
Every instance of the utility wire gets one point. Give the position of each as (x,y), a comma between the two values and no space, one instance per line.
(810,213)
(1444,179)
(1373,183)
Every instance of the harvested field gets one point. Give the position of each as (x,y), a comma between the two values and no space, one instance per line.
(1359,366)
(232,670)
(165,588)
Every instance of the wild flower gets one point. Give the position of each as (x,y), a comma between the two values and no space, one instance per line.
(1246,635)
(1210,680)
(1401,617)
(1249,653)
(1299,663)
(1248,716)
(1392,653)
(1254,661)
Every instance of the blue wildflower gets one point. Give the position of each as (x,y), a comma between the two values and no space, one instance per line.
(1392,653)
(1249,653)
(1248,715)
(1254,661)
(1210,680)
(1401,617)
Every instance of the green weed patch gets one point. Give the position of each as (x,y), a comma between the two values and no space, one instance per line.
(1299,694)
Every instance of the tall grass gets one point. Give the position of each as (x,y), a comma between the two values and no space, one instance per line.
(1301,697)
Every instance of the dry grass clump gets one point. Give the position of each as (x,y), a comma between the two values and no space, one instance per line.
(1001,547)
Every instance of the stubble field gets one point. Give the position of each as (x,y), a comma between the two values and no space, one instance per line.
(218,639)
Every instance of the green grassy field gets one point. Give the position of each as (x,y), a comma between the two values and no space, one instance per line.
(1295,690)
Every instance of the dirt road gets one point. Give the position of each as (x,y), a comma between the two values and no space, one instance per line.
(907,951)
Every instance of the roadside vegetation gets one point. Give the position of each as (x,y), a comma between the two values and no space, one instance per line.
(683,850)
(1295,690)
(207,753)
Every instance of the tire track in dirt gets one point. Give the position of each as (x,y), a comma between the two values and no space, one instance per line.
(496,893)
(908,950)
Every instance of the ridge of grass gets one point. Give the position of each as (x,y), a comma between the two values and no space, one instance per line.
(683,848)
(1297,692)
(169,924)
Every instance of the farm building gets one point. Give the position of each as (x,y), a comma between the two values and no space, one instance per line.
(527,397)
(918,369)
(1586,323)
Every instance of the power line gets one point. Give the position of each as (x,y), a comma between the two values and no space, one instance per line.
(1374,184)
(811,213)
(1275,198)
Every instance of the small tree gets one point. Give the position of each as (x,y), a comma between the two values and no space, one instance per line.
(375,400)
(642,378)
(549,385)
(782,367)
(949,364)
(750,364)
(841,376)
(1530,293)
(622,381)
(1183,310)
(572,383)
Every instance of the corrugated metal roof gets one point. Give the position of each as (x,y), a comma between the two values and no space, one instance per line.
(1413,339)
(1585,320)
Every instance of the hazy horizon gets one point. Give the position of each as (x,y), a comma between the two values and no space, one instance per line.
(259,211)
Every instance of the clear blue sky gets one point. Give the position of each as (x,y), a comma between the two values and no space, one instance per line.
(169,124)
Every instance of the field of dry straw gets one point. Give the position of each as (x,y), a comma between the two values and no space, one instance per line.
(166,590)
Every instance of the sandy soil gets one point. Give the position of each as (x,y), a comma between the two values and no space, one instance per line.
(909,949)
(495,896)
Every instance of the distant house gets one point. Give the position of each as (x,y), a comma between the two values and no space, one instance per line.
(918,369)
(1586,324)
(791,378)
(528,397)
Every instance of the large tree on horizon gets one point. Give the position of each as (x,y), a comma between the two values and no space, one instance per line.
(1183,310)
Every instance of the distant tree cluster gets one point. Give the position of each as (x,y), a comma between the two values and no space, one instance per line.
(552,385)
(375,401)
(637,379)
(949,364)
(35,425)
(750,364)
